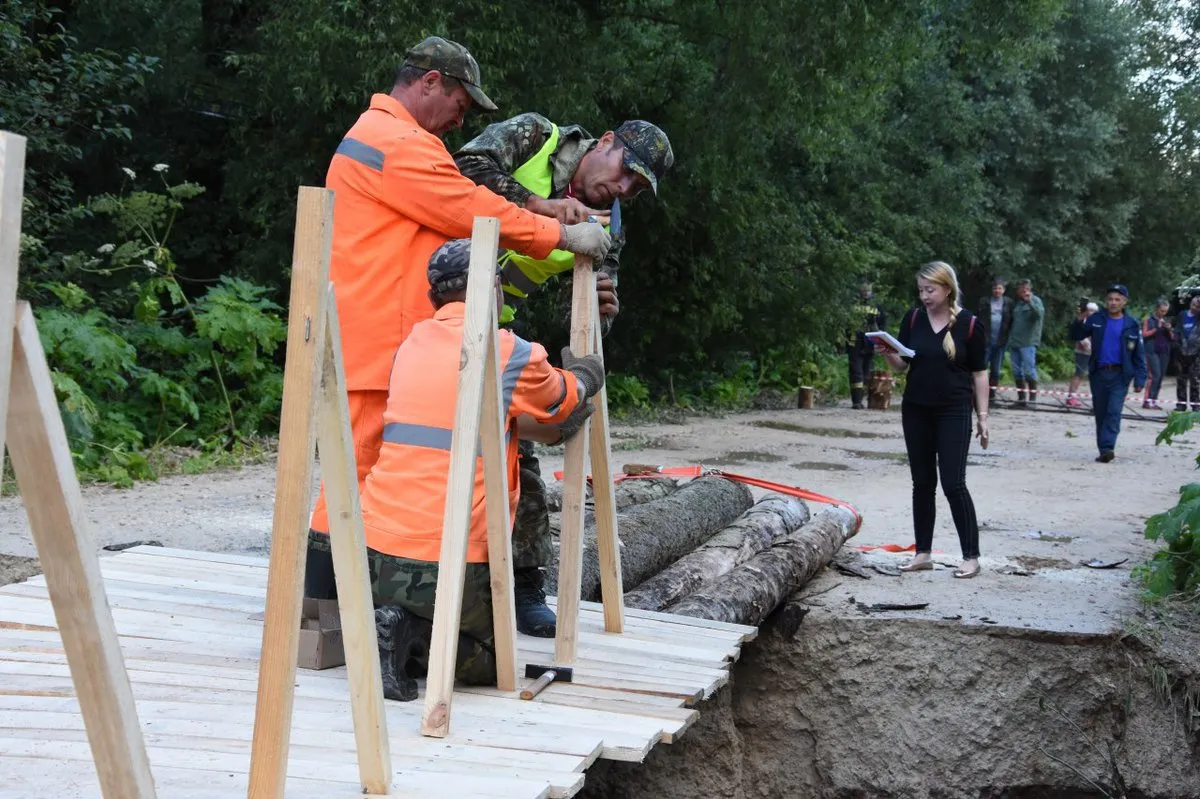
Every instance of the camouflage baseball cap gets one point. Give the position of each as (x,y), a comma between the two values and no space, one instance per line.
(647,150)
(449,266)
(452,60)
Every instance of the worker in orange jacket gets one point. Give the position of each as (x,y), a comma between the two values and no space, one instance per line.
(404,496)
(399,196)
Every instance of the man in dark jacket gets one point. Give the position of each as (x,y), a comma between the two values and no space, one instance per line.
(859,348)
(995,314)
(1118,356)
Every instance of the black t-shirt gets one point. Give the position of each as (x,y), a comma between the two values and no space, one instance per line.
(933,378)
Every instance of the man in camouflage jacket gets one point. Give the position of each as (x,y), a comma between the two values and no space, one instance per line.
(564,172)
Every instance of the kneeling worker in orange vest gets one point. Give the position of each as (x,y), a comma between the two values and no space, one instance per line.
(404,496)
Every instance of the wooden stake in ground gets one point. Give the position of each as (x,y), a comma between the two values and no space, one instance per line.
(347,542)
(477,410)
(608,550)
(41,459)
(293,485)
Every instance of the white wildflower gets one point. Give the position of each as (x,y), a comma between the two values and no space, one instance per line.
(161,167)
(153,267)
(105,249)
(132,175)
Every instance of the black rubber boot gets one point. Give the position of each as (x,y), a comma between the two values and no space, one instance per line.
(394,633)
(533,616)
(1020,403)
(856,398)
(1032,384)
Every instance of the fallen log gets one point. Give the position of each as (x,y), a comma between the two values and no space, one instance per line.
(655,534)
(751,591)
(769,519)
(627,492)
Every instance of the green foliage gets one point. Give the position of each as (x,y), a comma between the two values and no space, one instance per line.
(1056,363)
(626,393)
(1175,569)
(816,144)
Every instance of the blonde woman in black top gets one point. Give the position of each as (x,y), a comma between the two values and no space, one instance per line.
(946,376)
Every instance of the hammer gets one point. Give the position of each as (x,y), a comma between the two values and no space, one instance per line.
(545,675)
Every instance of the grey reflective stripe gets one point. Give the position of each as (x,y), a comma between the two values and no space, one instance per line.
(418,435)
(513,276)
(364,154)
(553,409)
(522,350)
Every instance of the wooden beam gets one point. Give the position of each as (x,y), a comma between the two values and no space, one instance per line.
(293,486)
(478,330)
(348,542)
(612,592)
(12,183)
(49,488)
(570,548)
(492,429)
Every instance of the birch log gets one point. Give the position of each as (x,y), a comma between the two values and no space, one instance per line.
(754,531)
(655,534)
(751,591)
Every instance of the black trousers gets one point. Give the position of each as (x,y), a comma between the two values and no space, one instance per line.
(862,361)
(937,440)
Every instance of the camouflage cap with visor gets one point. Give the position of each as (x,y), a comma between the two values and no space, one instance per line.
(647,150)
(453,61)
(450,264)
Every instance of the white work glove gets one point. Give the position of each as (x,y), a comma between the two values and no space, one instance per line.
(587,238)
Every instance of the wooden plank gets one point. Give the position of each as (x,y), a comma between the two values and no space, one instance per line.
(333,744)
(347,540)
(747,632)
(460,487)
(612,591)
(575,456)
(562,784)
(492,428)
(12,192)
(224,558)
(293,484)
(49,488)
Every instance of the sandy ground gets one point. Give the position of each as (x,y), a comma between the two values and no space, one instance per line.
(1043,504)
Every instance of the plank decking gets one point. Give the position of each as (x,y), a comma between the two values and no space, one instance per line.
(190,630)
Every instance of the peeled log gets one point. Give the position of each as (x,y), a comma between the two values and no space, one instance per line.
(768,520)
(627,492)
(750,592)
(658,533)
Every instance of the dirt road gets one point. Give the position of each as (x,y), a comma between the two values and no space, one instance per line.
(1044,506)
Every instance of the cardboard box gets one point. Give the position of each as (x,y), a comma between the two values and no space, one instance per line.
(321,635)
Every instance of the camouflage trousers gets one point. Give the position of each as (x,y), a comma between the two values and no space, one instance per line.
(531,543)
(412,584)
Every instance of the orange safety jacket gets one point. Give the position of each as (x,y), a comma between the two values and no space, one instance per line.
(404,496)
(400,196)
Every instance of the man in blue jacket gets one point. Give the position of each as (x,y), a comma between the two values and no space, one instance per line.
(1118,356)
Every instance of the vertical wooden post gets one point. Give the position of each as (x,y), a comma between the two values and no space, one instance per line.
(348,543)
(12,191)
(45,472)
(608,550)
(492,428)
(293,486)
(570,549)
(478,334)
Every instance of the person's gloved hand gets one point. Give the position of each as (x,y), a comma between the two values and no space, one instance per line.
(587,238)
(606,296)
(574,422)
(589,369)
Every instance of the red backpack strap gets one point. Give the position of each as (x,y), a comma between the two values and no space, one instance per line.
(971,327)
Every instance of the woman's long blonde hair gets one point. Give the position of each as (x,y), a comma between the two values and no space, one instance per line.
(943,275)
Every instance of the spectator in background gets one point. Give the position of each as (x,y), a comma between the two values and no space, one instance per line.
(1156,332)
(995,314)
(1187,333)
(947,375)
(1083,359)
(859,349)
(1024,337)
(1118,356)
